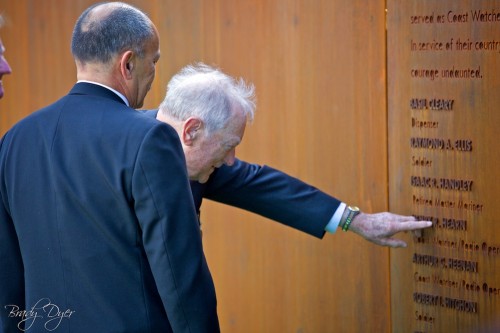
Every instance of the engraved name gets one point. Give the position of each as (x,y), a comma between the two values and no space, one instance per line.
(460,305)
(446,263)
(441,144)
(444,223)
(437,104)
(442,183)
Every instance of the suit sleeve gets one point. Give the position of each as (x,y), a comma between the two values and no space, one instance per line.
(171,235)
(11,265)
(272,194)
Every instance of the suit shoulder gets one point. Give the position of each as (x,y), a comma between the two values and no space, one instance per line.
(152,123)
(40,116)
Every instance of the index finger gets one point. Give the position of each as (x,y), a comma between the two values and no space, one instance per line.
(414,225)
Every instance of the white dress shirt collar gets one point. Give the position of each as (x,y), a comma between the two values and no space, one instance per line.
(105,86)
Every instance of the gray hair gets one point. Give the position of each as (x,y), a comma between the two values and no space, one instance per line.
(100,37)
(209,94)
(2,21)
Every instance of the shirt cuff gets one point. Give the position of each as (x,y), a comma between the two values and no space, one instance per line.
(332,226)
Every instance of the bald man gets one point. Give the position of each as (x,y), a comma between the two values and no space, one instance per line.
(98,231)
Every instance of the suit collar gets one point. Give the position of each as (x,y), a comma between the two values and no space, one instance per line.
(86,88)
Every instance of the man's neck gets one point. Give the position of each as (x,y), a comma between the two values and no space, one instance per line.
(107,87)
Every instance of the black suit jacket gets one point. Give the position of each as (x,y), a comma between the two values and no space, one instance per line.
(97,221)
(267,192)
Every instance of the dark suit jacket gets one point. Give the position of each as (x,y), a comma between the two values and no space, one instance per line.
(97,221)
(267,192)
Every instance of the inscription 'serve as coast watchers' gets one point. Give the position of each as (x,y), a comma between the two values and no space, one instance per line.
(443,106)
(454,16)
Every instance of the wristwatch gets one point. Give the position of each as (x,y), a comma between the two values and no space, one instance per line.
(352,211)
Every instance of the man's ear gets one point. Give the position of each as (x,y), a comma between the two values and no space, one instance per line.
(191,130)
(127,64)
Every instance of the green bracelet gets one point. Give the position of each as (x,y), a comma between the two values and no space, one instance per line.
(353,211)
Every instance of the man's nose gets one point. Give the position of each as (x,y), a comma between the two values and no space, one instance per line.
(4,66)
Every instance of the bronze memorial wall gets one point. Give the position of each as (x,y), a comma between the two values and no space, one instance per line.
(444,162)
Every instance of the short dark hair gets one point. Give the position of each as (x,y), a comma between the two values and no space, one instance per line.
(125,27)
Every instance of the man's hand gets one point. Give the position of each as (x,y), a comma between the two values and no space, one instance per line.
(380,227)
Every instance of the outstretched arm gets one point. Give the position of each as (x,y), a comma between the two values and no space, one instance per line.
(280,197)
(273,194)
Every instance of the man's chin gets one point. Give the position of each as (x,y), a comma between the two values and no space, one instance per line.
(202,179)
